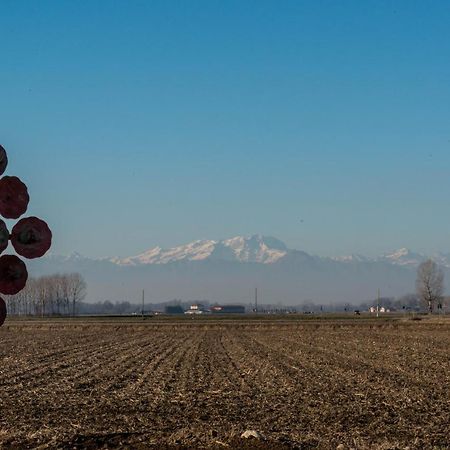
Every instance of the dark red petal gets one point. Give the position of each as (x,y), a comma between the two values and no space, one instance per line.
(3,160)
(13,274)
(14,197)
(2,311)
(31,237)
(4,236)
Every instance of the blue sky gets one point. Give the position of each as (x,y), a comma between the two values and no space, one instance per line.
(142,123)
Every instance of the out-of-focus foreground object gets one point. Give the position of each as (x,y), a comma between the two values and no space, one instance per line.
(31,237)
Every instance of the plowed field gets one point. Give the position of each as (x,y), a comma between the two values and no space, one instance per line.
(301,385)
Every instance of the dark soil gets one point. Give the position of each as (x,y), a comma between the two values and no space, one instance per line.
(361,385)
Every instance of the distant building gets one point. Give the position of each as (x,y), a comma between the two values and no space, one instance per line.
(382,309)
(196,308)
(173,309)
(228,309)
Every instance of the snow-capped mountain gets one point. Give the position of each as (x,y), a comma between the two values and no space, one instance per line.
(403,257)
(228,270)
(257,248)
(260,249)
(193,251)
(351,258)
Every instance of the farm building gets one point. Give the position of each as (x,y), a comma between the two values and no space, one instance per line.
(173,309)
(196,308)
(382,309)
(228,309)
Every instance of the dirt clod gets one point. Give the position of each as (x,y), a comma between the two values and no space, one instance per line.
(253,434)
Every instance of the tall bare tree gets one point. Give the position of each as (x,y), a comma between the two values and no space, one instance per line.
(430,284)
(76,289)
(59,293)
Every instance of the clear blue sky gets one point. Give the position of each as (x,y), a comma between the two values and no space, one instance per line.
(138,123)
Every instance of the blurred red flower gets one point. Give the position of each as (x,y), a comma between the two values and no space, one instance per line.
(3,160)
(14,197)
(13,274)
(2,311)
(4,236)
(31,237)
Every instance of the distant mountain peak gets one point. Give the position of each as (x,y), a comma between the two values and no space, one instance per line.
(351,258)
(404,257)
(399,253)
(255,248)
(74,256)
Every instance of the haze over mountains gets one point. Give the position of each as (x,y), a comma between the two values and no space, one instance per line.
(229,270)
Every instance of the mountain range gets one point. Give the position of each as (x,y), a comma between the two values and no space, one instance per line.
(229,270)
(258,249)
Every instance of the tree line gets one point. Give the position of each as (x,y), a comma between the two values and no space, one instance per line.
(57,294)
(63,294)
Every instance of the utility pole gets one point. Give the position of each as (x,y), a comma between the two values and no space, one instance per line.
(143,295)
(256,300)
(378,302)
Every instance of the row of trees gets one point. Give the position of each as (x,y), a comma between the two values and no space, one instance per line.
(49,295)
(60,294)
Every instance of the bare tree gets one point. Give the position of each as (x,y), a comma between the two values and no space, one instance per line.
(64,292)
(430,284)
(76,289)
(44,287)
(59,292)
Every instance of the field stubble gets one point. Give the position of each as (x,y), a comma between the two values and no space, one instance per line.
(301,385)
